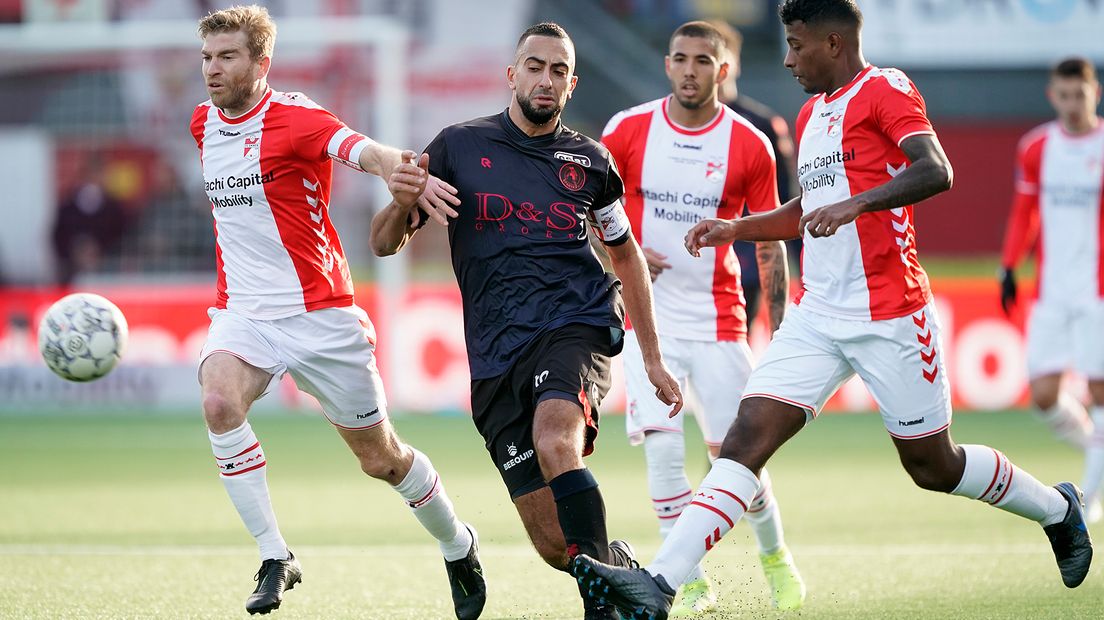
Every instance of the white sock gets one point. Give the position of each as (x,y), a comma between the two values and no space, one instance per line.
(719,503)
(241,464)
(1094,457)
(423,491)
(665,454)
(1068,420)
(764,517)
(990,477)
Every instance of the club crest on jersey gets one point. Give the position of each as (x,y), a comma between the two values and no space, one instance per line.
(715,171)
(251,146)
(572,176)
(835,122)
(582,160)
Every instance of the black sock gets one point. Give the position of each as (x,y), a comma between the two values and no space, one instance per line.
(582,514)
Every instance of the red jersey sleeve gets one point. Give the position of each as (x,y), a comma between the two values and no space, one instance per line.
(199,119)
(1023,219)
(899,109)
(757,158)
(618,138)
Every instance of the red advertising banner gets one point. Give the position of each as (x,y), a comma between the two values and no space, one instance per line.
(421,351)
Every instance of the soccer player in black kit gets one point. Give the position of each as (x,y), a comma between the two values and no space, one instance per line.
(542,318)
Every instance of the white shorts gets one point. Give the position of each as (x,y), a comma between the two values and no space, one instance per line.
(900,361)
(712,375)
(330,353)
(1064,337)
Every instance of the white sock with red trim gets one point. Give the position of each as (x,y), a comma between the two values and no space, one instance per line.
(665,453)
(1094,458)
(425,494)
(241,464)
(719,503)
(1068,420)
(764,517)
(990,477)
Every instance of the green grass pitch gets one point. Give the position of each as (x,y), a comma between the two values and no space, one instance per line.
(123,517)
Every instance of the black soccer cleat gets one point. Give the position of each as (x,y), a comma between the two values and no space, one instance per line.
(633,591)
(1069,538)
(469,588)
(622,554)
(273,579)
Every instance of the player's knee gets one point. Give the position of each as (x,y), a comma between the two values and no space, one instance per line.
(554,447)
(1044,398)
(931,477)
(389,463)
(221,413)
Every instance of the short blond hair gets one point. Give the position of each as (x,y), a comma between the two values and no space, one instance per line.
(253,20)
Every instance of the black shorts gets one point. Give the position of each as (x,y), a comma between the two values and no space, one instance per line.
(571,363)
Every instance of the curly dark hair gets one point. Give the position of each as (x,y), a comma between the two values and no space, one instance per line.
(819,11)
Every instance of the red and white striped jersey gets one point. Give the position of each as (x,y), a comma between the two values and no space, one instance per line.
(674,177)
(850,142)
(267,174)
(1058,195)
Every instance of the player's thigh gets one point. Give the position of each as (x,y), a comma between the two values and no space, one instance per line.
(802,366)
(901,362)
(502,411)
(719,373)
(1051,342)
(645,411)
(239,361)
(331,356)
(1087,332)
(572,364)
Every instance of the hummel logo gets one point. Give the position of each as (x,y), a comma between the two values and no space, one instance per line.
(539,379)
(485,162)
(364,416)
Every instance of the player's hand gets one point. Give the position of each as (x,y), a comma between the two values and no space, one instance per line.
(825,221)
(408,180)
(657,262)
(1007,290)
(439,197)
(710,233)
(667,387)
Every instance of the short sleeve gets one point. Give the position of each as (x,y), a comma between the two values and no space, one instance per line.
(613,188)
(760,180)
(312,129)
(899,109)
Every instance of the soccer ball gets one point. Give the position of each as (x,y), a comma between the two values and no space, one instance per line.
(82,336)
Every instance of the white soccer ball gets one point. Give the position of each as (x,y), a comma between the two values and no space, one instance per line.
(82,336)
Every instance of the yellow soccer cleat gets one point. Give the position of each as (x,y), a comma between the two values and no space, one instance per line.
(695,597)
(787,588)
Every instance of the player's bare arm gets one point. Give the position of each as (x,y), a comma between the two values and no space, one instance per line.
(393,226)
(777,225)
(631,268)
(437,200)
(929,173)
(774,278)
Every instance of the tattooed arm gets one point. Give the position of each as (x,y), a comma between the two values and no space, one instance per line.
(774,278)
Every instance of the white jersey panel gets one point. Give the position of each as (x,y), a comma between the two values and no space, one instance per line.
(261,280)
(1071,173)
(832,267)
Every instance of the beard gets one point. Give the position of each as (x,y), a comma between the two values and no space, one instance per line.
(234,96)
(689,104)
(538,116)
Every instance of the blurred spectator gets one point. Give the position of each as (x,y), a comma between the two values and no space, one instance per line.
(90,222)
(778,132)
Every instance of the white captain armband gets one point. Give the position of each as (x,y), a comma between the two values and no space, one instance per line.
(611,224)
(346,146)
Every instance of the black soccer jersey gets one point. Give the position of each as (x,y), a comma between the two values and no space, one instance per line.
(520,246)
